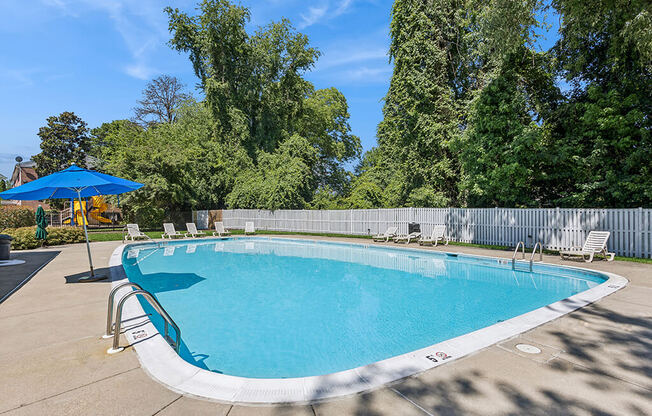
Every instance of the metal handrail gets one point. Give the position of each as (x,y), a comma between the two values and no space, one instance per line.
(109,312)
(538,244)
(522,245)
(152,301)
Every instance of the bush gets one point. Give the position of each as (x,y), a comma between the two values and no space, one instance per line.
(65,235)
(24,238)
(16,217)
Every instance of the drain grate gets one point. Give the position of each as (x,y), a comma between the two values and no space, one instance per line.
(528,349)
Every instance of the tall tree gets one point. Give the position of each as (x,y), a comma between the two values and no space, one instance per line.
(64,140)
(256,92)
(507,159)
(445,53)
(605,54)
(161,100)
(420,118)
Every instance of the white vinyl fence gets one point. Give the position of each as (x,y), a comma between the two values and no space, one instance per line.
(556,228)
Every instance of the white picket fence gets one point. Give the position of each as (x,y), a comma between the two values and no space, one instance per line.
(556,228)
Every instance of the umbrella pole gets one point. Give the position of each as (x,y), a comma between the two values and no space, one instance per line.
(88,246)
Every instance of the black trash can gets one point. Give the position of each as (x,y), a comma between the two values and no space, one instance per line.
(5,246)
(414,227)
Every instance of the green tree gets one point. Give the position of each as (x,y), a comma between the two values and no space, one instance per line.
(280,180)
(445,52)
(64,140)
(605,52)
(258,98)
(325,124)
(181,165)
(507,156)
(420,118)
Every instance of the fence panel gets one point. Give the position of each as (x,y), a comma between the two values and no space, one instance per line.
(556,228)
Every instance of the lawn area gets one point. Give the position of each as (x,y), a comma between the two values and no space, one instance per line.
(118,235)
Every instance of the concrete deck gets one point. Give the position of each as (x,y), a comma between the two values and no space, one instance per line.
(597,360)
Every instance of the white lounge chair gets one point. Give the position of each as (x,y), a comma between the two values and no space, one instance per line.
(405,238)
(169,231)
(192,230)
(249,228)
(133,232)
(220,231)
(389,233)
(438,233)
(595,244)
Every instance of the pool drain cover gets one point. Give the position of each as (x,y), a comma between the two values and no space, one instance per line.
(528,349)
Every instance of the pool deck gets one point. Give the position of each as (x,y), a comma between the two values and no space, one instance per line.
(597,360)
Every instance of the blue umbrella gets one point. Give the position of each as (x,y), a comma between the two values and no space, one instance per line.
(73,182)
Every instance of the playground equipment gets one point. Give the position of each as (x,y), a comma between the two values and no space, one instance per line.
(93,210)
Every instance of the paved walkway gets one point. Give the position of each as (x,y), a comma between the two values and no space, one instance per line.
(596,361)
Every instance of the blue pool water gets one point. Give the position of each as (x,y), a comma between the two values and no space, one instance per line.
(274,308)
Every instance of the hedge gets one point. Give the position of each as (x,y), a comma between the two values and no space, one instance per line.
(24,238)
(16,217)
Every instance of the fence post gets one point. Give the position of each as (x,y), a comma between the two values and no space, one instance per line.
(639,233)
(351,221)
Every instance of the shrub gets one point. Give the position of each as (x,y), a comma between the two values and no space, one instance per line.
(64,235)
(16,217)
(24,238)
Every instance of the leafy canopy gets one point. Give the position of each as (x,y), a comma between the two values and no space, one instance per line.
(64,140)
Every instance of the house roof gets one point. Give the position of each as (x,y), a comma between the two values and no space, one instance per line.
(27,172)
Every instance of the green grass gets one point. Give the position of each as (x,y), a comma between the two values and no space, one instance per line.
(117,236)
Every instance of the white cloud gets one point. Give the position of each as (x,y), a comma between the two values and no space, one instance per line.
(344,57)
(314,15)
(366,74)
(343,7)
(140,71)
(321,13)
(17,77)
(141,24)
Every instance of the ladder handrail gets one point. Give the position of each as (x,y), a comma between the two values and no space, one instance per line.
(155,303)
(520,244)
(538,244)
(109,312)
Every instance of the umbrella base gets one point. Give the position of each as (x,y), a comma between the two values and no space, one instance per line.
(94,278)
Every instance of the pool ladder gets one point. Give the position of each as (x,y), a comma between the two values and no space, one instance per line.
(521,245)
(113,330)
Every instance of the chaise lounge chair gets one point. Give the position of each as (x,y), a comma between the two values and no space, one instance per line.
(595,244)
(133,232)
(438,233)
(220,231)
(389,233)
(169,231)
(405,238)
(192,230)
(249,228)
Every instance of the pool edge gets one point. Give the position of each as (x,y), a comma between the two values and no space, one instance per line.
(162,363)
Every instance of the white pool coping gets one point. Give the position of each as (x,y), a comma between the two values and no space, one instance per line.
(164,365)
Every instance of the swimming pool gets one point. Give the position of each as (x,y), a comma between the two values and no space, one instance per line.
(280,309)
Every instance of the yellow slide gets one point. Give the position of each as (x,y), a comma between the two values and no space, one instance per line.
(98,206)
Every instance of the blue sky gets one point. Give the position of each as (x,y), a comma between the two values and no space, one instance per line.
(94,57)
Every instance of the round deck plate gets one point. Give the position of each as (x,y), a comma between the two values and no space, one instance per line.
(528,349)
